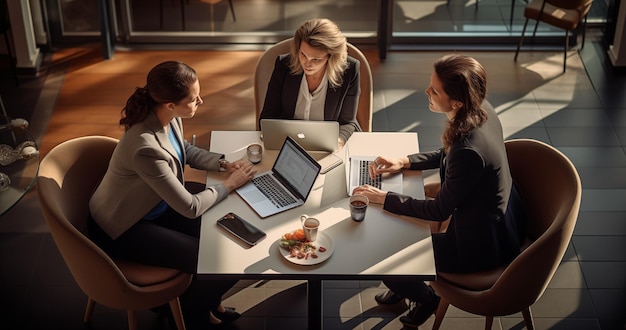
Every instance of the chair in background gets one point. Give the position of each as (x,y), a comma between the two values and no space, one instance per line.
(563,14)
(550,188)
(265,67)
(67,176)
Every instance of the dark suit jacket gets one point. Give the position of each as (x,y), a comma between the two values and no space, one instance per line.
(341,102)
(475,188)
(144,170)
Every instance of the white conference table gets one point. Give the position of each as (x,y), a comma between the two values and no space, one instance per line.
(383,246)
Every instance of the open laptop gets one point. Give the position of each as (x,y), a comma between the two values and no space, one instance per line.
(358,174)
(312,135)
(286,185)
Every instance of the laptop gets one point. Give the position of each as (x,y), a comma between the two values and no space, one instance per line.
(312,135)
(358,174)
(287,185)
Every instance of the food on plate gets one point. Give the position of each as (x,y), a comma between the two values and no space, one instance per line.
(298,246)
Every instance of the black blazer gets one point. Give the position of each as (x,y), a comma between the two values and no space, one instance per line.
(476,186)
(340,105)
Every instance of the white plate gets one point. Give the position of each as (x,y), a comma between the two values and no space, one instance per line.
(322,240)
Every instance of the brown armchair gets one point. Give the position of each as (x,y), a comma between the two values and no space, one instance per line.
(68,175)
(564,14)
(550,188)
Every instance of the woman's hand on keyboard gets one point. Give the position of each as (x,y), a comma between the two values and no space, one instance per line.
(240,176)
(385,165)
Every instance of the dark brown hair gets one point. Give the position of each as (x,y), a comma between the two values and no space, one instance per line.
(464,80)
(166,82)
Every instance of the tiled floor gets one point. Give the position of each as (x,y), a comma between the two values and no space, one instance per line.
(581,112)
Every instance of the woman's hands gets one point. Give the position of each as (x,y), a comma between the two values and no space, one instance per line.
(374,194)
(232,167)
(242,172)
(379,166)
(387,165)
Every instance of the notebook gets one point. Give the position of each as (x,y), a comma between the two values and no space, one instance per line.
(286,185)
(358,174)
(312,135)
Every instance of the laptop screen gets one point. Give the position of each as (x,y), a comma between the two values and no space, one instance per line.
(297,167)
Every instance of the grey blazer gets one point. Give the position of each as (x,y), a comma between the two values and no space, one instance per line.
(144,170)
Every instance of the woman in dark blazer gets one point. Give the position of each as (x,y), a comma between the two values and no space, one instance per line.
(141,210)
(476,185)
(317,80)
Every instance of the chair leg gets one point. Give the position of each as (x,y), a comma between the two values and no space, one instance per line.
(528,319)
(90,305)
(132,322)
(521,39)
(584,32)
(441,312)
(565,50)
(232,10)
(177,313)
(182,15)
(488,322)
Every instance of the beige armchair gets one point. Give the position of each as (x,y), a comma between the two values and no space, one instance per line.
(265,67)
(550,188)
(67,176)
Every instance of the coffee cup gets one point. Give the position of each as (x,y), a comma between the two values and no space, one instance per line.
(255,153)
(358,207)
(310,226)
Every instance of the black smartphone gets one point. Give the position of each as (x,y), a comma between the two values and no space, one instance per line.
(241,228)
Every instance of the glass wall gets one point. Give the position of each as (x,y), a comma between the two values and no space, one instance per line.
(267,21)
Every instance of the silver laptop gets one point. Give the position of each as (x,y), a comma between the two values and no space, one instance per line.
(312,135)
(358,174)
(286,185)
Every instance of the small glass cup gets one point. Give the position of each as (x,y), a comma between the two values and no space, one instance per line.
(255,153)
(310,227)
(358,207)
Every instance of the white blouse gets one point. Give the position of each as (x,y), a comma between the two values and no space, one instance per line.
(310,106)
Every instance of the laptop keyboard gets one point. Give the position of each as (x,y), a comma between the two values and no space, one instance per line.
(364,175)
(274,192)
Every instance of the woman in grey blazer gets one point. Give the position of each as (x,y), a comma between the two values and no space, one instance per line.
(317,80)
(141,210)
(476,192)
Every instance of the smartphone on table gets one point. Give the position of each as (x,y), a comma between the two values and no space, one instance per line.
(241,228)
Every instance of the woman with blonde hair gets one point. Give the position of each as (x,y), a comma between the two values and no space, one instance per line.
(316,80)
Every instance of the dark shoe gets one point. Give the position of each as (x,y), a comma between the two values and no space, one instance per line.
(388,298)
(227,316)
(418,314)
(165,312)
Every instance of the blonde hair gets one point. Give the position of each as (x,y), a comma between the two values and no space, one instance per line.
(324,34)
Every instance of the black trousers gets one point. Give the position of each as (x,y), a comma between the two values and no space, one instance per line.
(170,241)
(417,291)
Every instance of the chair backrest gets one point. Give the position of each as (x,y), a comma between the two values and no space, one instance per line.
(68,175)
(583,5)
(550,188)
(265,67)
